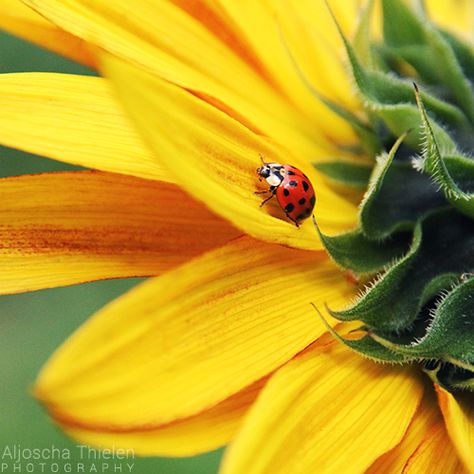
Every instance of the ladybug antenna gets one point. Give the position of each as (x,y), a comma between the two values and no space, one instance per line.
(261,159)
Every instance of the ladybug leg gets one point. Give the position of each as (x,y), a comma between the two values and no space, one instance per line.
(271,190)
(262,192)
(292,220)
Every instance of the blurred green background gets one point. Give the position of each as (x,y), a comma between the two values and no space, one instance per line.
(33,325)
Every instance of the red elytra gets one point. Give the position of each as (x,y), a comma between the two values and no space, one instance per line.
(293,190)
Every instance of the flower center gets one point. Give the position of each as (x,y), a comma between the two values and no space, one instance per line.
(415,240)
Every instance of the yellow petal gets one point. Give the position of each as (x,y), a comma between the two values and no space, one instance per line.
(214,157)
(22,21)
(328,411)
(75,119)
(261,23)
(64,228)
(458,412)
(426,418)
(435,455)
(454,15)
(209,56)
(187,340)
(305,30)
(203,432)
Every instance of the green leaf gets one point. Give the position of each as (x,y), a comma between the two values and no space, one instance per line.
(355,252)
(453,172)
(351,174)
(442,248)
(396,198)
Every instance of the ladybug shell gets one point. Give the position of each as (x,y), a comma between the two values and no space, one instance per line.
(295,194)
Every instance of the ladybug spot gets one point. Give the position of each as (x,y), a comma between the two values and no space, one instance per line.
(301,216)
(286,192)
(289,172)
(302,201)
(305,185)
(294,184)
(312,200)
(289,207)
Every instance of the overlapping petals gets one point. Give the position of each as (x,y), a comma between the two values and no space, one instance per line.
(182,437)
(20,20)
(214,157)
(326,411)
(435,455)
(64,228)
(212,53)
(458,412)
(75,119)
(195,336)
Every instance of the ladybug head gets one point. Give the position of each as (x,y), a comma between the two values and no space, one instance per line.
(272,172)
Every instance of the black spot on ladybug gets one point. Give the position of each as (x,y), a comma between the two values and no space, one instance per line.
(301,216)
(295,183)
(289,207)
(302,201)
(307,211)
(286,192)
(305,185)
(312,200)
(289,172)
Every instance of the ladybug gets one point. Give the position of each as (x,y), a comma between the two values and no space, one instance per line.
(293,190)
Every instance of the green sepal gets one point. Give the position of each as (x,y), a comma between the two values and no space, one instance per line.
(391,98)
(450,377)
(373,350)
(463,51)
(453,172)
(450,332)
(348,173)
(366,346)
(355,252)
(420,43)
(451,71)
(441,249)
(397,197)
(401,27)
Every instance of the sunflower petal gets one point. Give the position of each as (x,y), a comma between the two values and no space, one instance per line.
(203,52)
(64,228)
(455,15)
(22,21)
(203,432)
(181,343)
(312,37)
(458,412)
(435,455)
(74,119)
(214,157)
(326,411)
(426,418)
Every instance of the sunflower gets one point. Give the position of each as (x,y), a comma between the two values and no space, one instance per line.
(223,345)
